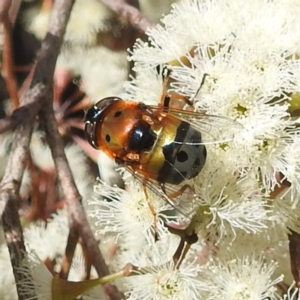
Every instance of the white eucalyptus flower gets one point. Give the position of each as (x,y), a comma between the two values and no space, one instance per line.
(102,71)
(8,289)
(48,240)
(249,74)
(86,20)
(228,203)
(41,282)
(149,81)
(238,60)
(128,212)
(164,282)
(272,244)
(293,293)
(244,278)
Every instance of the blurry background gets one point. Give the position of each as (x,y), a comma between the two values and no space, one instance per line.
(92,65)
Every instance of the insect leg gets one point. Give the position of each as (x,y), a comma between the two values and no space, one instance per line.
(178,192)
(202,81)
(179,97)
(165,98)
(184,252)
(152,211)
(186,240)
(201,84)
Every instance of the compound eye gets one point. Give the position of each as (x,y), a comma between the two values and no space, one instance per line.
(90,134)
(96,111)
(94,117)
(92,114)
(142,137)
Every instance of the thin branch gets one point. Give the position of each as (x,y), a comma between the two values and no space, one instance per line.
(34,98)
(6,124)
(77,218)
(4,8)
(14,10)
(131,14)
(73,239)
(8,62)
(11,7)
(11,122)
(14,239)
(294,247)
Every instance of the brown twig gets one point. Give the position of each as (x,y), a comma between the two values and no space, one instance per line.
(4,8)
(33,99)
(77,218)
(131,14)
(87,262)
(10,185)
(73,239)
(15,243)
(14,10)
(294,246)
(8,62)
(294,237)
(7,124)
(40,89)
(11,122)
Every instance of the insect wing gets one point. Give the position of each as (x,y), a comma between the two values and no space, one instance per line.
(180,197)
(214,129)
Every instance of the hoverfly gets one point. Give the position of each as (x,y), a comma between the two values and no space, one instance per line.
(161,146)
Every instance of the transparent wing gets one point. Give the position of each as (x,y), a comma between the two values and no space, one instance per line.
(181,197)
(214,129)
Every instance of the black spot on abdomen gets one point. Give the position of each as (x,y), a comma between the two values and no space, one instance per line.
(184,158)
